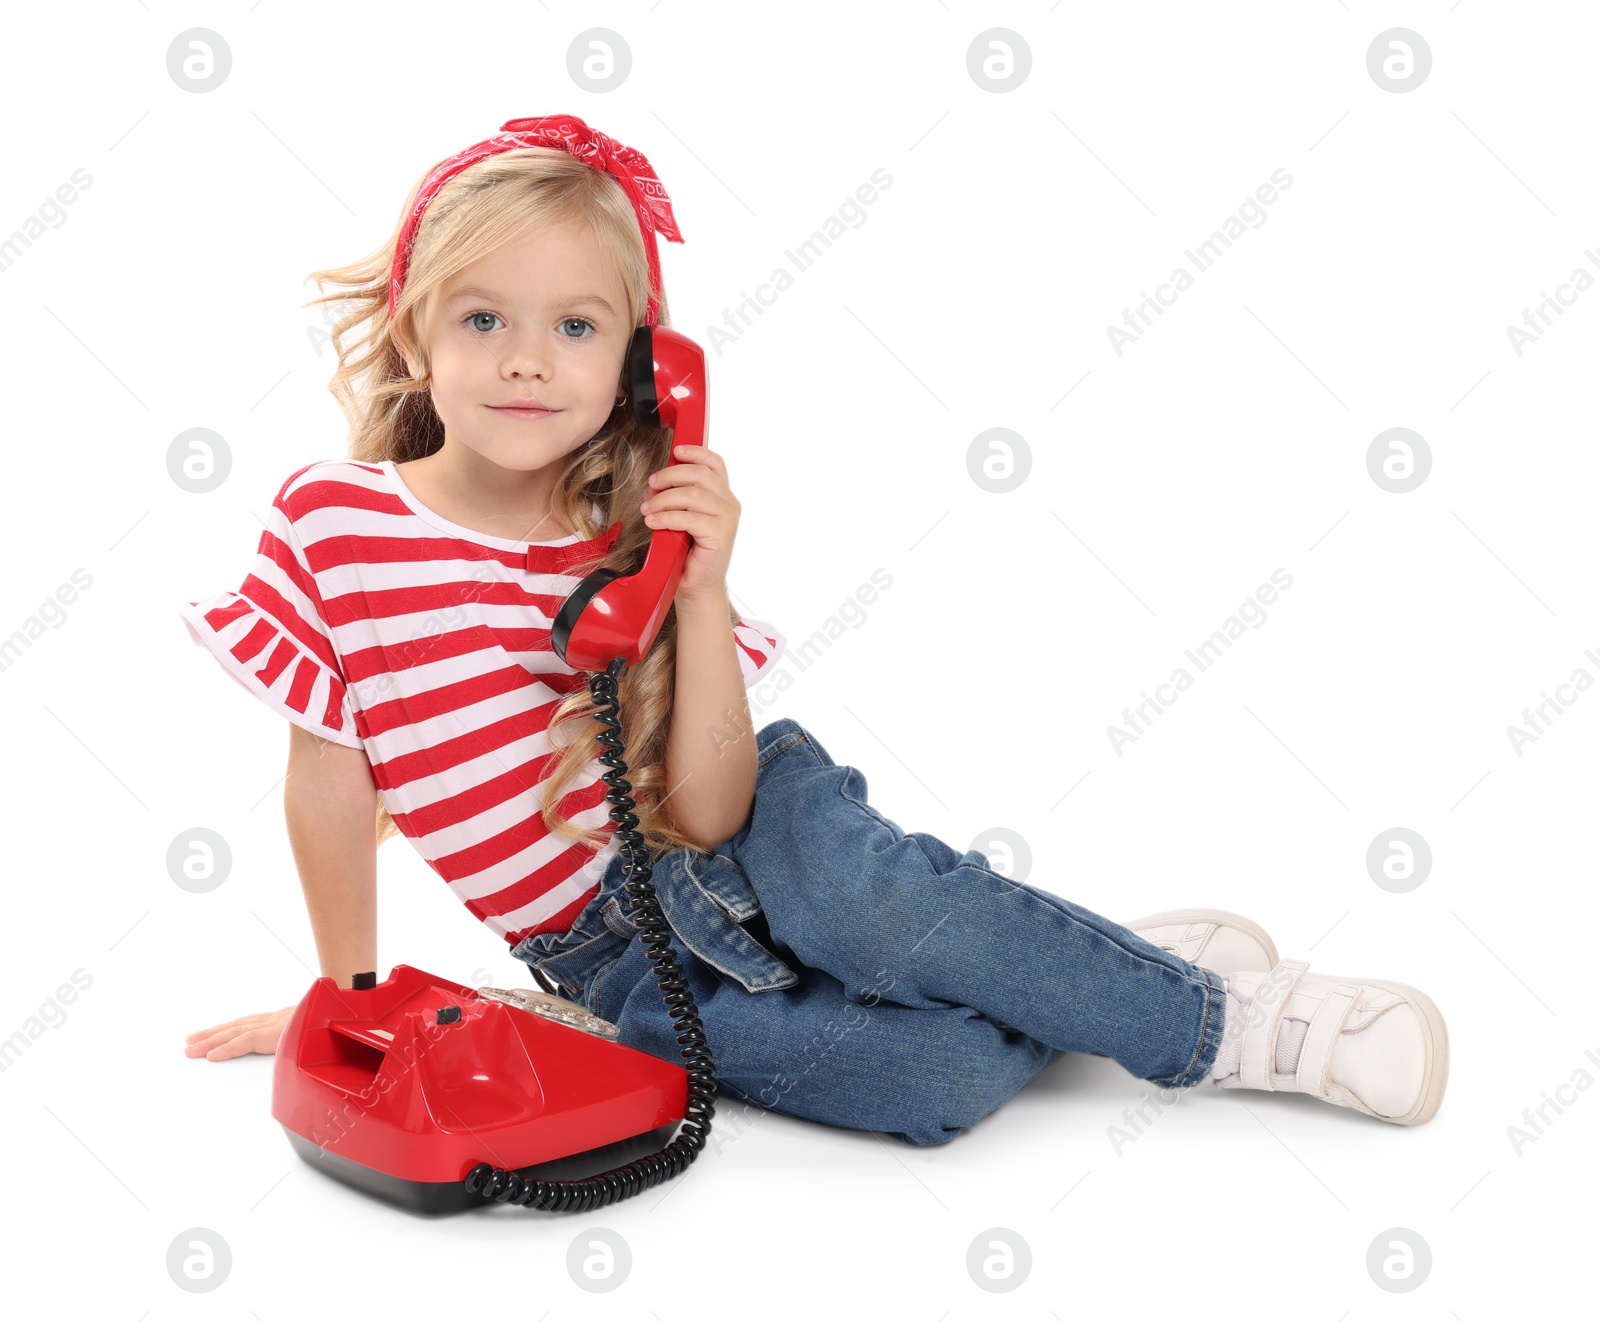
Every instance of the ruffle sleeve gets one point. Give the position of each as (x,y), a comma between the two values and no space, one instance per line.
(760,645)
(271,635)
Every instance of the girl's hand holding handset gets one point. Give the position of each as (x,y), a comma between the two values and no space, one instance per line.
(693,495)
(254,1032)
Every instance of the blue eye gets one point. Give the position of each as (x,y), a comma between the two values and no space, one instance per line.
(582,322)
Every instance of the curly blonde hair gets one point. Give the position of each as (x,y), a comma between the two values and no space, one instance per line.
(392,416)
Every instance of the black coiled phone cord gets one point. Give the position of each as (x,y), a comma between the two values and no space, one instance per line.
(613,1186)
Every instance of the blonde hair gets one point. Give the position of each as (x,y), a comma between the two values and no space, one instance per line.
(391,416)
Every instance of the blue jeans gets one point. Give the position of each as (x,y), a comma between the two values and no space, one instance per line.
(855,974)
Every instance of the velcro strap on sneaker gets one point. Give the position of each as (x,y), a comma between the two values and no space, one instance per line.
(1316,1052)
(1262,1017)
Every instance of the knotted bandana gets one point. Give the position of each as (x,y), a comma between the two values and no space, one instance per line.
(570,134)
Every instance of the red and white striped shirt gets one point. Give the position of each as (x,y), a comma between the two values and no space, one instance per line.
(374,622)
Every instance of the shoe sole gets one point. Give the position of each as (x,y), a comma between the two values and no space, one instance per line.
(1438,1046)
(1211,916)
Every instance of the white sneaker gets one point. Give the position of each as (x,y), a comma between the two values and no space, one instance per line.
(1213,938)
(1378,1047)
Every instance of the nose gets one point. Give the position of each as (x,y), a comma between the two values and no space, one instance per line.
(524,357)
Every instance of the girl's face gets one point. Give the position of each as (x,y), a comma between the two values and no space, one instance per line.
(541,318)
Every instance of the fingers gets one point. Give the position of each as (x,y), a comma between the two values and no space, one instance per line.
(210,1040)
(681,476)
(679,498)
(695,464)
(206,1032)
(707,495)
(698,454)
(206,1046)
(666,519)
(702,525)
(227,1045)
(237,1046)
(244,1021)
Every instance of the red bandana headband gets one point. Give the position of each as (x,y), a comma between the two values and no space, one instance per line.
(571,134)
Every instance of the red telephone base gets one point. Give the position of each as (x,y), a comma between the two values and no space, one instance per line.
(452,1196)
(373,1089)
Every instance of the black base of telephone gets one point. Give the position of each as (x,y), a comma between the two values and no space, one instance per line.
(430,1198)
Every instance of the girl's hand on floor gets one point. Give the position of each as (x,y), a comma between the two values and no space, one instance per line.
(254,1032)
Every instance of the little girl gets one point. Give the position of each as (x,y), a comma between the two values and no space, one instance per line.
(398,614)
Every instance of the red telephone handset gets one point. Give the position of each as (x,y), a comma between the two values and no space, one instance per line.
(611,614)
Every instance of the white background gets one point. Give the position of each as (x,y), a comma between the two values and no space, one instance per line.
(1166,484)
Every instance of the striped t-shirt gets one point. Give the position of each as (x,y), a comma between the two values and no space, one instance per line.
(376,623)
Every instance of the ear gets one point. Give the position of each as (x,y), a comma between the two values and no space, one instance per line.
(405,352)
